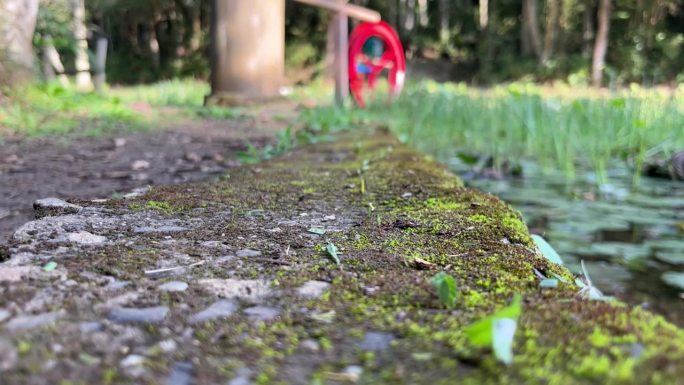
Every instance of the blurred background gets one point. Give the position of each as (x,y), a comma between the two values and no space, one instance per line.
(571,110)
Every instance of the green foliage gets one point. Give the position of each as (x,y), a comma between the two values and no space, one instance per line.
(546,250)
(185,93)
(445,285)
(52,109)
(674,279)
(332,251)
(563,128)
(53,26)
(645,44)
(481,332)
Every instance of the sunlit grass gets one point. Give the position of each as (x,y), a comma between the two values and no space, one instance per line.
(50,109)
(560,128)
(186,93)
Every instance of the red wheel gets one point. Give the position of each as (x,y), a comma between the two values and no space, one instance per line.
(364,68)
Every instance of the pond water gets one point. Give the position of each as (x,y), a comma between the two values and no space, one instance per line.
(630,238)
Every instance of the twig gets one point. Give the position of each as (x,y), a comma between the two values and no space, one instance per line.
(168,269)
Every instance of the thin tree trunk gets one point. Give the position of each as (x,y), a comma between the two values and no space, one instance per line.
(601,45)
(17,24)
(484,14)
(410,15)
(550,33)
(51,62)
(154,46)
(423,13)
(444,10)
(486,47)
(587,28)
(531,37)
(83,79)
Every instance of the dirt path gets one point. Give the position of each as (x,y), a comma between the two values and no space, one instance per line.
(90,167)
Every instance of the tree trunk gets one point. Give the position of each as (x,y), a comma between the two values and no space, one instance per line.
(485,45)
(83,79)
(601,45)
(444,32)
(587,28)
(17,24)
(247,50)
(550,33)
(531,38)
(423,13)
(484,14)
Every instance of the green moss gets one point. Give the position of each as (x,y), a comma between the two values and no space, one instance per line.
(442,204)
(479,218)
(599,339)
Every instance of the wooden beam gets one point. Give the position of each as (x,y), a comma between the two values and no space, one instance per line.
(341,24)
(351,10)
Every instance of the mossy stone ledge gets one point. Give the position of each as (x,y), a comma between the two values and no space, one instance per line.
(233,280)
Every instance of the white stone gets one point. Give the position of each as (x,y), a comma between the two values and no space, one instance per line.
(132,360)
(219,309)
(31,322)
(313,289)
(247,289)
(85,238)
(174,286)
(55,204)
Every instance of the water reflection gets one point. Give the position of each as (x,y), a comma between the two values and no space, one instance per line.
(628,237)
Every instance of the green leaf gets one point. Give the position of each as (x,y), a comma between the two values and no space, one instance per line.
(50,266)
(673,279)
(480,332)
(502,343)
(549,283)
(317,230)
(546,250)
(332,251)
(446,288)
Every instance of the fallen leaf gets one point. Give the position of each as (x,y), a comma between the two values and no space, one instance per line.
(317,230)
(50,266)
(332,251)
(421,264)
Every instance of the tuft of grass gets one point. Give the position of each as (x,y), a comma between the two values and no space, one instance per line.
(50,109)
(186,93)
(563,128)
(445,285)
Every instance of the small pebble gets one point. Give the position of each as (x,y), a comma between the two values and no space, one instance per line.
(30,322)
(174,286)
(146,315)
(4,314)
(310,345)
(242,377)
(181,374)
(262,313)
(247,253)
(313,289)
(376,341)
(132,360)
(220,309)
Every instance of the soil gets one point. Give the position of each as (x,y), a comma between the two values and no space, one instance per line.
(100,167)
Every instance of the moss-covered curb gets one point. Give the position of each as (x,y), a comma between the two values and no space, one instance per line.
(385,207)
